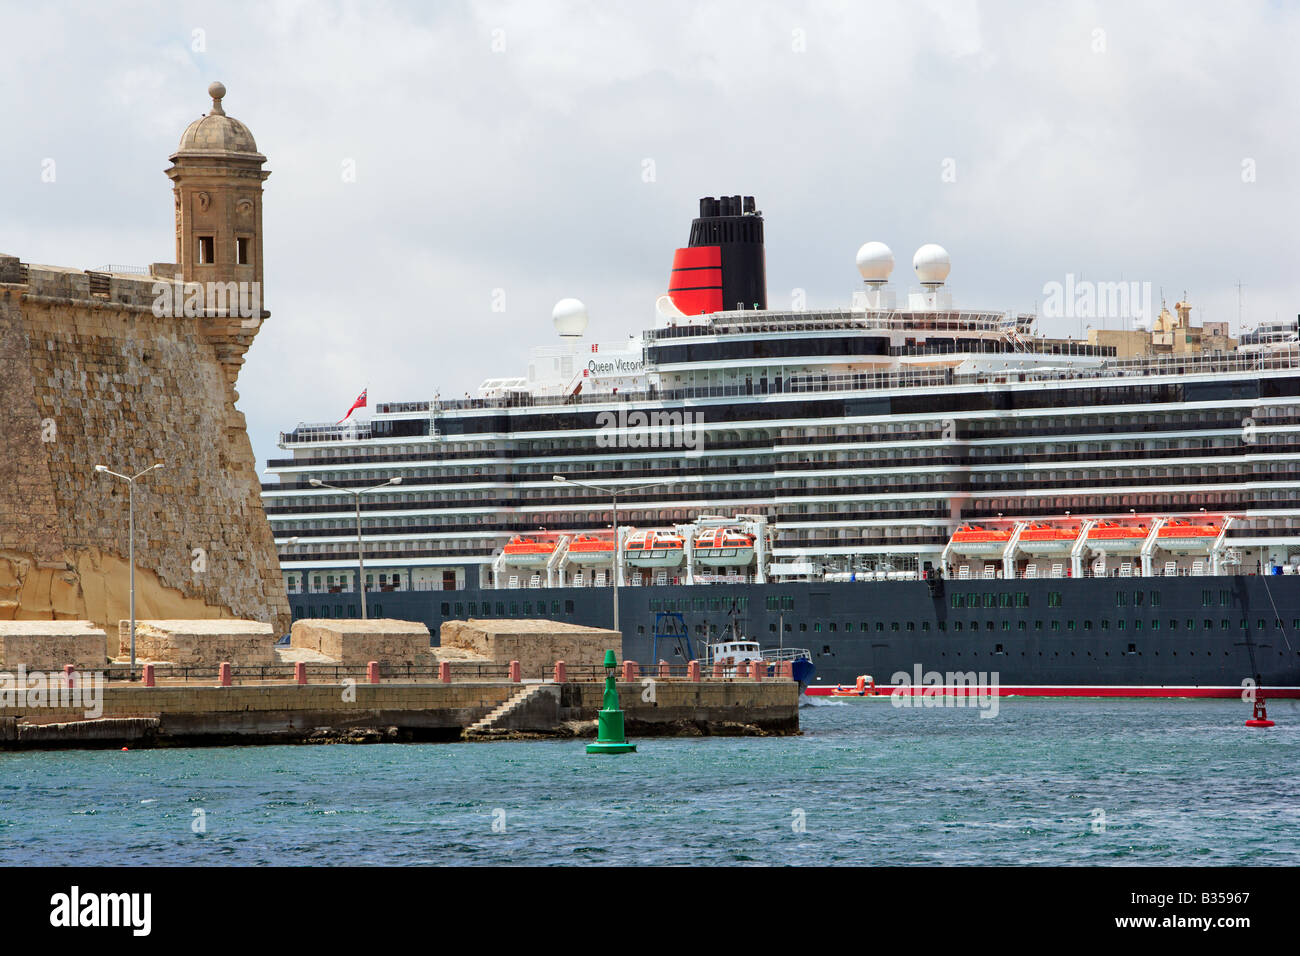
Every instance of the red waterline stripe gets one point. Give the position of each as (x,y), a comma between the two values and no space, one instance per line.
(1065,690)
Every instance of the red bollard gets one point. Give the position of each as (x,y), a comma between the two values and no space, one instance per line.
(444,671)
(515,674)
(300,672)
(372,672)
(717,670)
(560,674)
(148,675)
(225,677)
(787,670)
(629,671)
(665,669)
(693,671)
(756,669)
(69,674)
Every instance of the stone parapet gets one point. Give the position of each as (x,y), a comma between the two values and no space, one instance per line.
(50,645)
(200,641)
(353,641)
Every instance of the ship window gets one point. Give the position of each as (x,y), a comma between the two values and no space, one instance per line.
(1121,598)
(880,625)
(893,625)
(1053,598)
(446,609)
(803,626)
(1056,625)
(956,625)
(943,625)
(1206,625)
(925,625)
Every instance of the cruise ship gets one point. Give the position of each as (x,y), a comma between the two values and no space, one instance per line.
(901,482)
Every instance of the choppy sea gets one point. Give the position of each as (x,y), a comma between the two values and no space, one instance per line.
(1043,782)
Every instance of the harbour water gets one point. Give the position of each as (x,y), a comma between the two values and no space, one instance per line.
(1045,782)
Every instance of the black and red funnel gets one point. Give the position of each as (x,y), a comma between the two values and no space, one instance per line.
(723,267)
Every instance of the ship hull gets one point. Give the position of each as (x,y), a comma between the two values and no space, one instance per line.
(1135,633)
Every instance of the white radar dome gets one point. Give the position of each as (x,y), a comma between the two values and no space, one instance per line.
(570,317)
(875,261)
(931,263)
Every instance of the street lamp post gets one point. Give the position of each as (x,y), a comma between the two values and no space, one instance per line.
(614,491)
(130,546)
(361,558)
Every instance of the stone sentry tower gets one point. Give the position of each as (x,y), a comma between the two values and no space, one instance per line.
(217,175)
(93,371)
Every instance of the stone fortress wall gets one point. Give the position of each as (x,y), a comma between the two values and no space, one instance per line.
(90,374)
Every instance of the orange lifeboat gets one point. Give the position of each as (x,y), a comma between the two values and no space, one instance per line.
(522,551)
(724,547)
(654,549)
(972,539)
(1047,539)
(1183,537)
(590,550)
(1117,538)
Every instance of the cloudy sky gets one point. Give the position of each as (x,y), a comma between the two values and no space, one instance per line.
(551,149)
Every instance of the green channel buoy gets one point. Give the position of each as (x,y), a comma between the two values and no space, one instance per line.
(609,719)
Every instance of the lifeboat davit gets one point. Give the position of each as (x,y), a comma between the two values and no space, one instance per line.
(724,547)
(588,550)
(972,539)
(1116,538)
(1182,537)
(524,552)
(1047,539)
(654,549)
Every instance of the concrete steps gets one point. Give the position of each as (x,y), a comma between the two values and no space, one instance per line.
(504,710)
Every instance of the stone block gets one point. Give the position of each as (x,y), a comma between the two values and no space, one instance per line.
(353,641)
(50,645)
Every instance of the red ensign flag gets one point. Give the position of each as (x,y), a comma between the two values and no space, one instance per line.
(359,403)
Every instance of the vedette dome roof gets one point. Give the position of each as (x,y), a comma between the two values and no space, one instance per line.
(216,132)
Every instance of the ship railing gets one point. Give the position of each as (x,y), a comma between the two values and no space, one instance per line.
(326,431)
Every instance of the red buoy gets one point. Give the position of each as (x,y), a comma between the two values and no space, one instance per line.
(1260,716)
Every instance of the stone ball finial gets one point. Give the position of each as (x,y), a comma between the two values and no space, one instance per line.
(217,90)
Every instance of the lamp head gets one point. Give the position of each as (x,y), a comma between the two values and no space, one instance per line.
(314,482)
(395,481)
(101,468)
